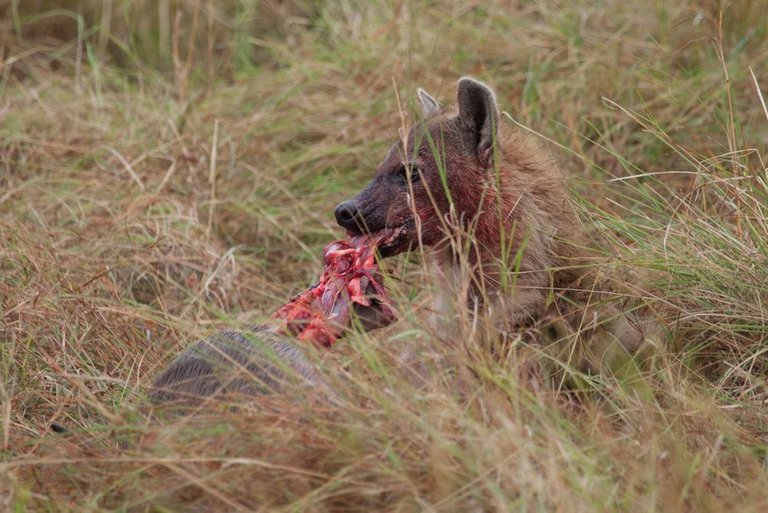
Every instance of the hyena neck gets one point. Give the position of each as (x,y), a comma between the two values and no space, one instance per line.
(514,237)
(471,257)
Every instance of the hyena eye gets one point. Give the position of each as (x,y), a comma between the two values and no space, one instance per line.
(414,174)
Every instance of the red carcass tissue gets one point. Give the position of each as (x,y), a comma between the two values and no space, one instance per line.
(351,277)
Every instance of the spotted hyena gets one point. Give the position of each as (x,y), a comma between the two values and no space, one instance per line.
(490,208)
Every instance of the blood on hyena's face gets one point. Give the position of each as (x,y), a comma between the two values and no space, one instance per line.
(442,161)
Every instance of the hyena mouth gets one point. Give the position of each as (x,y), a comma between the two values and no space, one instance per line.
(396,239)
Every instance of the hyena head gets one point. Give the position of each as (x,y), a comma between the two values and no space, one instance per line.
(442,163)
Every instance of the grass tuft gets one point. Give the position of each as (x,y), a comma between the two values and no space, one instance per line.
(169,168)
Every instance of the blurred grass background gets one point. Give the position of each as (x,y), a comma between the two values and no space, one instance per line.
(170,167)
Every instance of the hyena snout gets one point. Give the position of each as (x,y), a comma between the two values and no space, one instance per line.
(349,216)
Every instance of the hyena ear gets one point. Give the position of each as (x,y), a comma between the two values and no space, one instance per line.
(429,105)
(480,116)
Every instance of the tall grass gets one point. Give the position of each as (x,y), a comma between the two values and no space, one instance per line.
(169,168)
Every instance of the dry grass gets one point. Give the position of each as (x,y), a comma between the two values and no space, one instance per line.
(160,179)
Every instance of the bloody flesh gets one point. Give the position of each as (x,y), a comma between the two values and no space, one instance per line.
(351,276)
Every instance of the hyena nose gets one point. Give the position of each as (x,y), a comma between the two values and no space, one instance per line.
(348,216)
